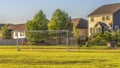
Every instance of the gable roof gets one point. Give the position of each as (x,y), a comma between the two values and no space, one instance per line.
(17,27)
(80,23)
(106,9)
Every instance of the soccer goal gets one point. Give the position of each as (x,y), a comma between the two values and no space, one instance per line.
(34,39)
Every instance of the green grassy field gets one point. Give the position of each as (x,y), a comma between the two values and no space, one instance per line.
(57,57)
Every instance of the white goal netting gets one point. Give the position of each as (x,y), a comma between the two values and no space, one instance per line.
(34,39)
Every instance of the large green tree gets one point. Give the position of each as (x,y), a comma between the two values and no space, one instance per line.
(60,21)
(39,22)
(6,34)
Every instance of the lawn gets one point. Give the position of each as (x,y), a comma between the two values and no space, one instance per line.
(57,57)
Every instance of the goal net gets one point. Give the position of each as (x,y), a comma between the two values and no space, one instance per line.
(36,39)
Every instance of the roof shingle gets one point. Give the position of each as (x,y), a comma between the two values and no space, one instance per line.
(17,27)
(80,23)
(106,9)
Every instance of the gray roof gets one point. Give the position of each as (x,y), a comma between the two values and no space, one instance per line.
(80,23)
(106,9)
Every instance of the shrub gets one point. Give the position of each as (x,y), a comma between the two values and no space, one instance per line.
(88,44)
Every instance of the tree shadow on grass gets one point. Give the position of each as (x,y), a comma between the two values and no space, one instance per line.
(52,62)
(39,62)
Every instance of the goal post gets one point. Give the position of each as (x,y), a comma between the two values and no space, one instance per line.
(42,37)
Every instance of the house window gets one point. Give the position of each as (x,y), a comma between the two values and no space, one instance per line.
(21,33)
(103,18)
(92,19)
(90,30)
(93,30)
(116,27)
(107,17)
(98,30)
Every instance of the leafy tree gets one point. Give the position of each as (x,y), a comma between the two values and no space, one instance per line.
(101,38)
(6,34)
(108,38)
(39,22)
(76,34)
(60,21)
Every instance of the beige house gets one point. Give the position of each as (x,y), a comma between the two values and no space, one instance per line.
(82,26)
(15,31)
(106,17)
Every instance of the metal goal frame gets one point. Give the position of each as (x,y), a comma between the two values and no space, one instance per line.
(37,31)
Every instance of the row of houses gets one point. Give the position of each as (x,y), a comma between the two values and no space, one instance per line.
(79,23)
(104,17)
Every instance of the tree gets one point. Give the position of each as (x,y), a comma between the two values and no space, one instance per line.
(6,34)
(39,22)
(76,32)
(111,39)
(60,21)
(77,36)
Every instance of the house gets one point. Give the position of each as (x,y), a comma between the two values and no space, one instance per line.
(16,29)
(106,17)
(82,26)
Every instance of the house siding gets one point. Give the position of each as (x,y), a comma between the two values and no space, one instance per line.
(83,33)
(15,37)
(116,19)
(91,24)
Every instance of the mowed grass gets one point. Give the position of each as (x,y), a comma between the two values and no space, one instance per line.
(57,57)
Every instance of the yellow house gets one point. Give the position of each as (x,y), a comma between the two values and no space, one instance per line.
(106,17)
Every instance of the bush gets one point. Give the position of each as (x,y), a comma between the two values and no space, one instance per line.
(118,44)
(87,44)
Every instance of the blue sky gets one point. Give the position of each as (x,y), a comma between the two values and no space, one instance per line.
(19,11)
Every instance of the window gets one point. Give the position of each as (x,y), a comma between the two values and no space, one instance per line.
(107,18)
(90,30)
(103,18)
(116,27)
(93,30)
(21,33)
(98,30)
(92,19)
